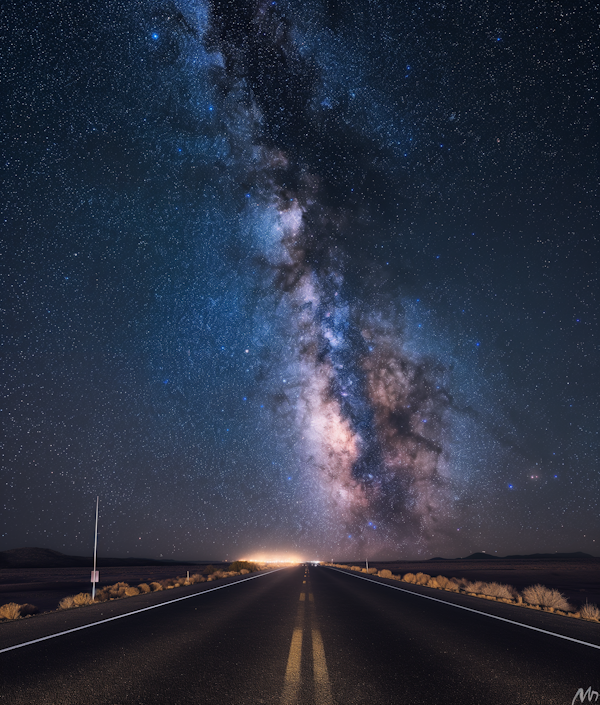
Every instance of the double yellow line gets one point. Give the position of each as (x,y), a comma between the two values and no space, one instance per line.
(291,687)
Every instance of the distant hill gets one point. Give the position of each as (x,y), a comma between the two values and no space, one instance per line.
(575,556)
(47,558)
(479,556)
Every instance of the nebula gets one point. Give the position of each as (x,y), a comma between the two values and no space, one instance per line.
(370,419)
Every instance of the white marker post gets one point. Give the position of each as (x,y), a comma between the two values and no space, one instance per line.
(95,573)
(367,562)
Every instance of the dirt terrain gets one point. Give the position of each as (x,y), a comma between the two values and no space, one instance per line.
(577,580)
(45,587)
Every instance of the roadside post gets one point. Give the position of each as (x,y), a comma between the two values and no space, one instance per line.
(95,573)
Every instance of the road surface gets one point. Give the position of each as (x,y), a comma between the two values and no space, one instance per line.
(300,635)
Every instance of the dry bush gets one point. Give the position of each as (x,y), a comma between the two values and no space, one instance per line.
(238,566)
(356,567)
(156,586)
(244,571)
(66,603)
(10,611)
(102,595)
(83,598)
(114,591)
(442,581)
(546,597)
(590,611)
(433,583)
(385,573)
(144,588)
(497,590)
(27,610)
(422,578)
(131,591)
(209,570)
(452,586)
(410,578)
(473,586)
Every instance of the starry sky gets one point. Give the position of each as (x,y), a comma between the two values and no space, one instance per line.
(315,278)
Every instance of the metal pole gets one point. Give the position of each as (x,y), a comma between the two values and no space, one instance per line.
(367,562)
(95,549)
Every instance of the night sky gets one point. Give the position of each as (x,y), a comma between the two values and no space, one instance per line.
(300,277)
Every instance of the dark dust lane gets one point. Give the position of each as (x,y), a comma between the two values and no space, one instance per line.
(386,646)
(230,646)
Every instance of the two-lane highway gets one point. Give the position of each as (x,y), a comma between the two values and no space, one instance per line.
(299,635)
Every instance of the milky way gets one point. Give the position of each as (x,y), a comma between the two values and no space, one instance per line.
(371,418)
(316,277)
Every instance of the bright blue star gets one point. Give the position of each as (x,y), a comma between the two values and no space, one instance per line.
(155,35)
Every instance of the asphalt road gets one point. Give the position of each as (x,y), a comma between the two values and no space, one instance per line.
(303,636)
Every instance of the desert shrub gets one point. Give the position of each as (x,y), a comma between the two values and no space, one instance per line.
(410,578)
(131,591)
(238,566)
(117,590)
(372,571)
(209,570)
(196,578)
(66,603)
(473,586)
(144,588)
(83,598)
(442,581)
(546,597)
(156,587)
(590,611)
(385,573)
(27,610)
(244,571)
(452,586)
(356,567)
(497,590)
(422,578)
(11,610)
(433,583)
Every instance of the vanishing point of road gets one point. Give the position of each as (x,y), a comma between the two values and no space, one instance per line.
(305,635)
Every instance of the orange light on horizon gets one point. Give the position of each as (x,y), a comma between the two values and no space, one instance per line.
(270,558)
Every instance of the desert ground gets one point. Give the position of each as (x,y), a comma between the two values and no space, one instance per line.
(577,580)
(45,587)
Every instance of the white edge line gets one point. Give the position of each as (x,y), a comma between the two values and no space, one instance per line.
(469,609)
(128,614)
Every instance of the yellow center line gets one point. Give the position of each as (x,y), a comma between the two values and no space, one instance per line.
(291,684)
(322,686)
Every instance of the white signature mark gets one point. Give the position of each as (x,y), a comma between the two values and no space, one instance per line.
(589,694)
